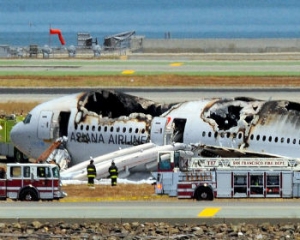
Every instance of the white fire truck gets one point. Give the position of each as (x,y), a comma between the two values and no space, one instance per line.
(208,178)
(30,182)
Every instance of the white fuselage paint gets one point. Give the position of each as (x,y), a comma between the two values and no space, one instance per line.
(85,142)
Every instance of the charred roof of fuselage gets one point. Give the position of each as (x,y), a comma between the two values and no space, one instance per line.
(245,113)
(114,104)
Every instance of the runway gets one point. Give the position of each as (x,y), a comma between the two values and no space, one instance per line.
(198,67)
(163,95)
(219,211)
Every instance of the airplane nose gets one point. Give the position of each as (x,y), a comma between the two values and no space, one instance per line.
(16,134)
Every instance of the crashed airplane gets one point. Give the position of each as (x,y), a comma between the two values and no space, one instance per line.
(101,122)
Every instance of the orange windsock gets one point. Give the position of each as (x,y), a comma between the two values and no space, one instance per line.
(58,32)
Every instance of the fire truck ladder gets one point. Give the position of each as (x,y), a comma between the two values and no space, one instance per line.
(194,164)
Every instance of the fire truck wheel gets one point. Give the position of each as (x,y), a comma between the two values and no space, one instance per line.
(28,194)
(204,193)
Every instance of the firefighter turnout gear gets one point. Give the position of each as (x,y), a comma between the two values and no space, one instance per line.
(91,173)
(113,172)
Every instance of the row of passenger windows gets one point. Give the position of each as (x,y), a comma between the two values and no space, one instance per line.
(252,137)
(110,129)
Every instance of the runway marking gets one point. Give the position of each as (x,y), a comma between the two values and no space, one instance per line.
(176,64)
(209,212)
(128,72)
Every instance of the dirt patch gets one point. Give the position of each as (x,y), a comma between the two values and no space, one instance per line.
(121,192)
(164,80)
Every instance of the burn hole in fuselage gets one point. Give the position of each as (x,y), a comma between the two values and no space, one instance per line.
(113,104)
(226,118)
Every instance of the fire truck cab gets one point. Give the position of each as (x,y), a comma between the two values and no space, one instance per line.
(30,182)
(208,178)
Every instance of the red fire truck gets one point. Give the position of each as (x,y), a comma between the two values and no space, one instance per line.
(208,178)
(30,182)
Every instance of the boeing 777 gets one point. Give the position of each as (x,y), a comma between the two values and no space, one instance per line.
(100,122)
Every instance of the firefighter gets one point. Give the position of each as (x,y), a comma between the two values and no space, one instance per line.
(113,173)
(91,173)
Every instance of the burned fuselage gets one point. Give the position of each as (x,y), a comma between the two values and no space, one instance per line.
(265,127)
(254,124)
(103,121)
(229,117)
(110,117)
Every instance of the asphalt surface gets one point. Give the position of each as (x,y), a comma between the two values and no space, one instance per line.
(228,211)
(166,95)
(154,66)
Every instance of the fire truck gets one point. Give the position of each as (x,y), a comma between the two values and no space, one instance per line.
(30,182)
(204,178)
(7,149)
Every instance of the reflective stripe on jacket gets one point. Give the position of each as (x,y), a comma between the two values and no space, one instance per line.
(91,170)
(113,171)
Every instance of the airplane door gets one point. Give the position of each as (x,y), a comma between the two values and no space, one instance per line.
(159,131)
(44,125)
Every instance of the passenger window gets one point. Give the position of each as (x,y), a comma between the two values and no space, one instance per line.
(111,129)
(26,173)
(81,127)
(47,172)
(251,137)
(55,172)
(276,139)
(240,135)
(203,134)
(87,127)
(93,128)
(99,128)
(264,138)
(2,172)
(270,139)
(15,171)
(209,134)
(41,172)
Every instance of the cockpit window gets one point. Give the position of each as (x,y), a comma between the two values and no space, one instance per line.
(27,119)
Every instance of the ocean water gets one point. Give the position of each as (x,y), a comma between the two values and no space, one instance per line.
(28,22)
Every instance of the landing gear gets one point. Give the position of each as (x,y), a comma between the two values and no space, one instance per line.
(19,156)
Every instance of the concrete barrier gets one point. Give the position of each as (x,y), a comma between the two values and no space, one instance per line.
(145,45)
